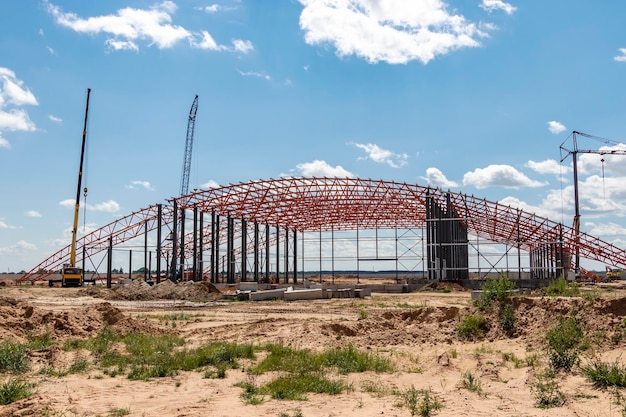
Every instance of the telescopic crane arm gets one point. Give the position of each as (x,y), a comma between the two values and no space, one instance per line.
(184,183)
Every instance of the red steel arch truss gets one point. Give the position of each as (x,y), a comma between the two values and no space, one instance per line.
(324,204)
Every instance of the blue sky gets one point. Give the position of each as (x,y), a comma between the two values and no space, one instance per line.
(474,96)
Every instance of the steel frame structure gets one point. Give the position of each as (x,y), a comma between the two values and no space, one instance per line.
(321,205)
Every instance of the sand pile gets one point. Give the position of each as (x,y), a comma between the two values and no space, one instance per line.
(165,290)
(20,321)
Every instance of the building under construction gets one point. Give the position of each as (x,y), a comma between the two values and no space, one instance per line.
(286,230)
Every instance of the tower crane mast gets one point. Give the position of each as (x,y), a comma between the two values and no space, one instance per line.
(574,152)
(184,183)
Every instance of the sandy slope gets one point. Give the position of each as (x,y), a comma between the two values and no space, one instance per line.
(418,331)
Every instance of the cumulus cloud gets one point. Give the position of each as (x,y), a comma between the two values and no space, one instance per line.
(13,96)
(20,247)
(549,166)
(319,168)
(622,56)
(130,27)
(392,31)
(491,5)
(556,127)
(55,119)
(609,159)
(107,206)
(210,184)
(4,225)
(32,213)
(377,154)
(436,178)
(140,184)
(504,176)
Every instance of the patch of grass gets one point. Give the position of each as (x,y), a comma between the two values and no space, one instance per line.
(297,413)
(78,366)
(561,288)
(506,318)
(472,383)
(547,393)
(362,314)
(604,375)
(14,390)
(119,412)
(286,359)
(495,291)
(377,388)
(39,341)
(349,359)
(296,386)
(564,342)
(251,394)
(409,306)
(472,326)
(420,402)
(13,357)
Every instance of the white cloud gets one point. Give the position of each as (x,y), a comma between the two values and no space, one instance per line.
(609,159)
(19,248)
(556,127)
(377,154)
(140,184)
(213,8)
(108,206)
(153,26)
(13,95)
(504,176)
(50,50)
(622,57)
(319,168)
(55,119)
(392,31)
(210,184)
(4,225)
(491,5)
(255,74)
(32,213)
(549,166)
(607,229)
(436,178)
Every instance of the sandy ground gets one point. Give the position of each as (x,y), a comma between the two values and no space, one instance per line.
(417,331)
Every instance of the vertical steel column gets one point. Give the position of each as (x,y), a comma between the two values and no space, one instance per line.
(194,263)
(217,248)
(358,258)
(295,256)
(230,256)
(519,253)
(146,269)
(173,267)
(213,249)
(182,244)
(109,261)
(332,253)
(267,252)
(320,254)
(244,250)
(158,246)
(277,254)
(130,264)
(201,245)
(286,258)
(256,251)
(397,277)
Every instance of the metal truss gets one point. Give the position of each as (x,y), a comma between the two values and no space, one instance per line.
(325,204)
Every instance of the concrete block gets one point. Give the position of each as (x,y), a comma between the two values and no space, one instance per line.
(309,294)
(248,286)
(275,294)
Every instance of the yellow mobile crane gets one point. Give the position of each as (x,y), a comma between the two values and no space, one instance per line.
(72,275)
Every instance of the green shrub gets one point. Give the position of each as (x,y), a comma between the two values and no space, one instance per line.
(548,394)
(348,359)
(472,326)
(506,318)
(13,357)
(471,383)
(604,375)
(561,288)
(564,341)
(296,386)
(495,290)
(420,402)
(14,390)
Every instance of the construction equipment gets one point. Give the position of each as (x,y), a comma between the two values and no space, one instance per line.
(184,182)
(574,152)
(72,275)
(613,273)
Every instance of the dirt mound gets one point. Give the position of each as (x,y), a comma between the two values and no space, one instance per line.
(165,290)
(20,321)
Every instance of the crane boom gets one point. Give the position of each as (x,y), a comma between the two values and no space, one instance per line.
(574,154)
(184,183)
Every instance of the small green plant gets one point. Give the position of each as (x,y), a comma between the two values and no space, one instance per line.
(604,375)
(40,341)
(420,402)
(251,394)
(506,318)
(471,383)
(119,412)
(14,390)
(495,290)
(13,357)
(561,288)
(547,393)
(297,413)
(564,342)
(377,388)
(472,326)
(296,386)
(362,314)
